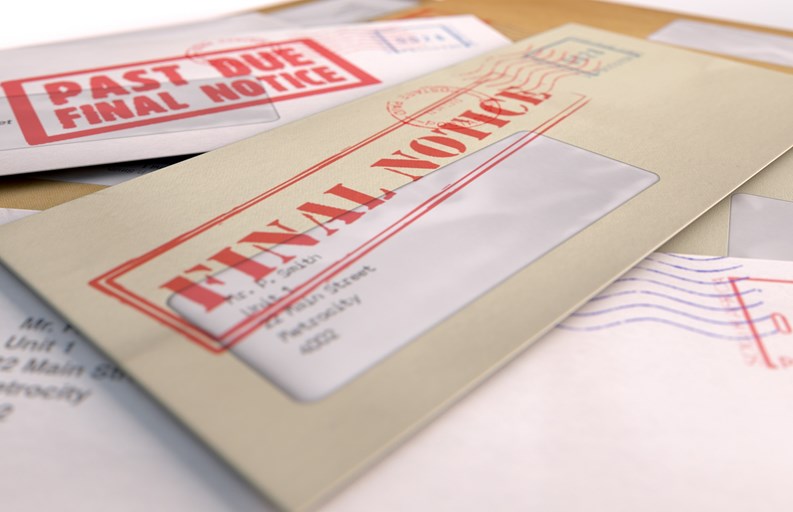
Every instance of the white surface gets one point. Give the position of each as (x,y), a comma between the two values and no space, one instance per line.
(771,13)
(11,214)
(46,21)
(760,227)
(747,44)
(658,401)
(547,192)
(443,41)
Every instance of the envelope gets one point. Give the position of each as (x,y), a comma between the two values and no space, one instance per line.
(305,299)
(192,90)
(61,400)
(618,381)
(753,224)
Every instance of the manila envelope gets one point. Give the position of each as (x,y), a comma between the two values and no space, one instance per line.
(752,224)
(305,299)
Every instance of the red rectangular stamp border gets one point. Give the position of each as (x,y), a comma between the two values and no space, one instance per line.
(107,283)
(35,133)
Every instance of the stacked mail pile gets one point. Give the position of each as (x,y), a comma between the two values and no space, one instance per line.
(245,259)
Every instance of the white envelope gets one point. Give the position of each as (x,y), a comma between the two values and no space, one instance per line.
(188,91)
(668,391)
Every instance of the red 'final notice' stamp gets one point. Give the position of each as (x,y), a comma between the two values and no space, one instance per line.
(435,126)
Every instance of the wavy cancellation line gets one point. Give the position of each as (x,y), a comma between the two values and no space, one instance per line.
(691,269)
(674,299)
(693,258)
(512,72)
(681,289)
(682,302)
(681,278)
(494,61)
(685,327)
(625,307)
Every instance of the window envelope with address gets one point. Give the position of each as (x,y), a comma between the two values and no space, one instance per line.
(305,299)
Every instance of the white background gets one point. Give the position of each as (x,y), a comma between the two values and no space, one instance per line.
(39,21)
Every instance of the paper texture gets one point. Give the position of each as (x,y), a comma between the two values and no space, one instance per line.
(654,396)
(760,227)
(162,234)
(712,233)
(186,92)
(9,215)
(731,41)
(660,378)
(64,403)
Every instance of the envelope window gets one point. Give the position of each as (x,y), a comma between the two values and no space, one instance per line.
(429,249)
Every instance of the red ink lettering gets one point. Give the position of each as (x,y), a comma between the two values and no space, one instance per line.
(60,92)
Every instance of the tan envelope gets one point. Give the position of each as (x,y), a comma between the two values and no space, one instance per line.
(302,348)
(708,235)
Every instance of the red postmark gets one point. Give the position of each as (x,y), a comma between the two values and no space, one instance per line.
(406,105)
(199,51)
(541,72)
(777,321)
(69,106)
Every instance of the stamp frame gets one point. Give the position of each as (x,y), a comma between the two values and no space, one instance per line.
(35,133)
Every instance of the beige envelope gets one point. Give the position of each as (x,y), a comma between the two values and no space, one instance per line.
(305,299)
(709,234)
